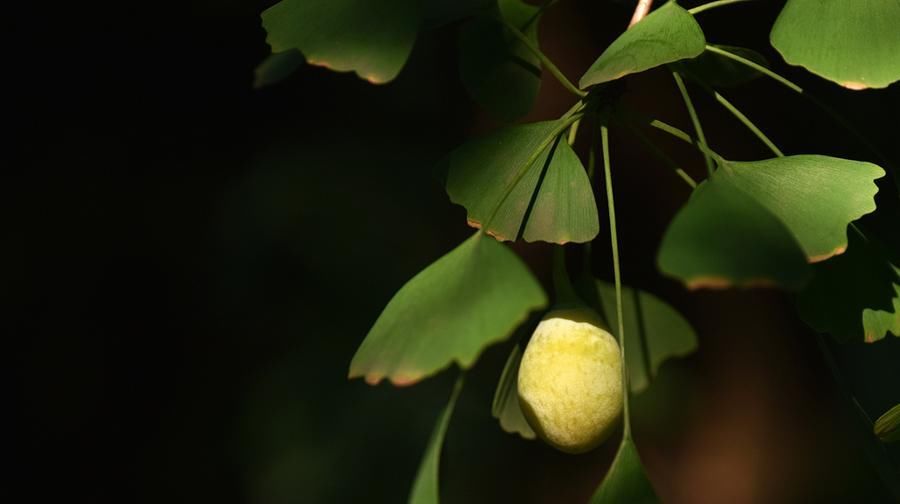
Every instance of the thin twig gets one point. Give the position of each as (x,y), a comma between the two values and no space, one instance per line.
(740,116)
(695,119)
(756,66)
(824,107)
(656,151)
(671,130)
(617,272)
(712,5)
(545,61)
(748,123)
(641,11)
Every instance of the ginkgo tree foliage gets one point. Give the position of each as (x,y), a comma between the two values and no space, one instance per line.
(789,221)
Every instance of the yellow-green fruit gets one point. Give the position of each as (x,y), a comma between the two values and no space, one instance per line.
(570,381)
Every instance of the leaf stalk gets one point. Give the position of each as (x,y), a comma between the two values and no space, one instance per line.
(545,61)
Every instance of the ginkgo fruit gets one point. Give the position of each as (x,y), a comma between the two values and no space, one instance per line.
(570,380)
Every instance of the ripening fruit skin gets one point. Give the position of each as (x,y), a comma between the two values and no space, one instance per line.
(570,381)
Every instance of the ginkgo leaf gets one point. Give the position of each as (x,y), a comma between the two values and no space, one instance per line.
(877,323)
(524,180)
(723,237)
(506,407)
(498,71)
(717,71)
(745,208)
(626,480)
(816,197)
(855,296)
(666,35)
(887,427)
(373,39)
(425,489)
(855,43)
(276,67)
(470,298)
(654,332)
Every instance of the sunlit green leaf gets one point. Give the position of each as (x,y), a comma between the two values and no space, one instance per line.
(722,237)
(626,480)
(500,73)
(667,35)
(472,297)
(276,67)
(877,322)
(816,197)
(887,427)
(524,175)
(426,488)
(654,332)
(716,70)
(506,407)
(855,43)
(731,232)
(855,296)
(373,39)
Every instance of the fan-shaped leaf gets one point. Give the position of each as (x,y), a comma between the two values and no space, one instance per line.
(506,407)
(887,427)
(855,296)
(654,332)
(425,489)
(371,38)
(723,237)
(878,322)
(523,179)
(855,43)
(500,73)
(470,298)
(626,480)
(276,67)
(815,196)
(667,35)
(718,71)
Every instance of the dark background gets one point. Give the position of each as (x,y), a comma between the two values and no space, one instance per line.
(191,264)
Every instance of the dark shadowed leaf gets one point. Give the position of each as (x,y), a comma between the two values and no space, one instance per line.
(855,296)
(472,297)
(723,238)
(426,488)
(887,427)
(276,67)
(816,197)
(524,171)
(498,71)
(626,480)
(855,43)
(506,407)
(373,39)
(437,13)
(654,332)
(667,35)
(718,71)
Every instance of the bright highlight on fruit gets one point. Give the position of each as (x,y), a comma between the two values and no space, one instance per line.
(570,381)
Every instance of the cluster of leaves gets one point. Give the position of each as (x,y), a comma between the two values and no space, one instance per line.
(781,221)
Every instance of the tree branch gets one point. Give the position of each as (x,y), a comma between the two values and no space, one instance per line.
(641,11)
